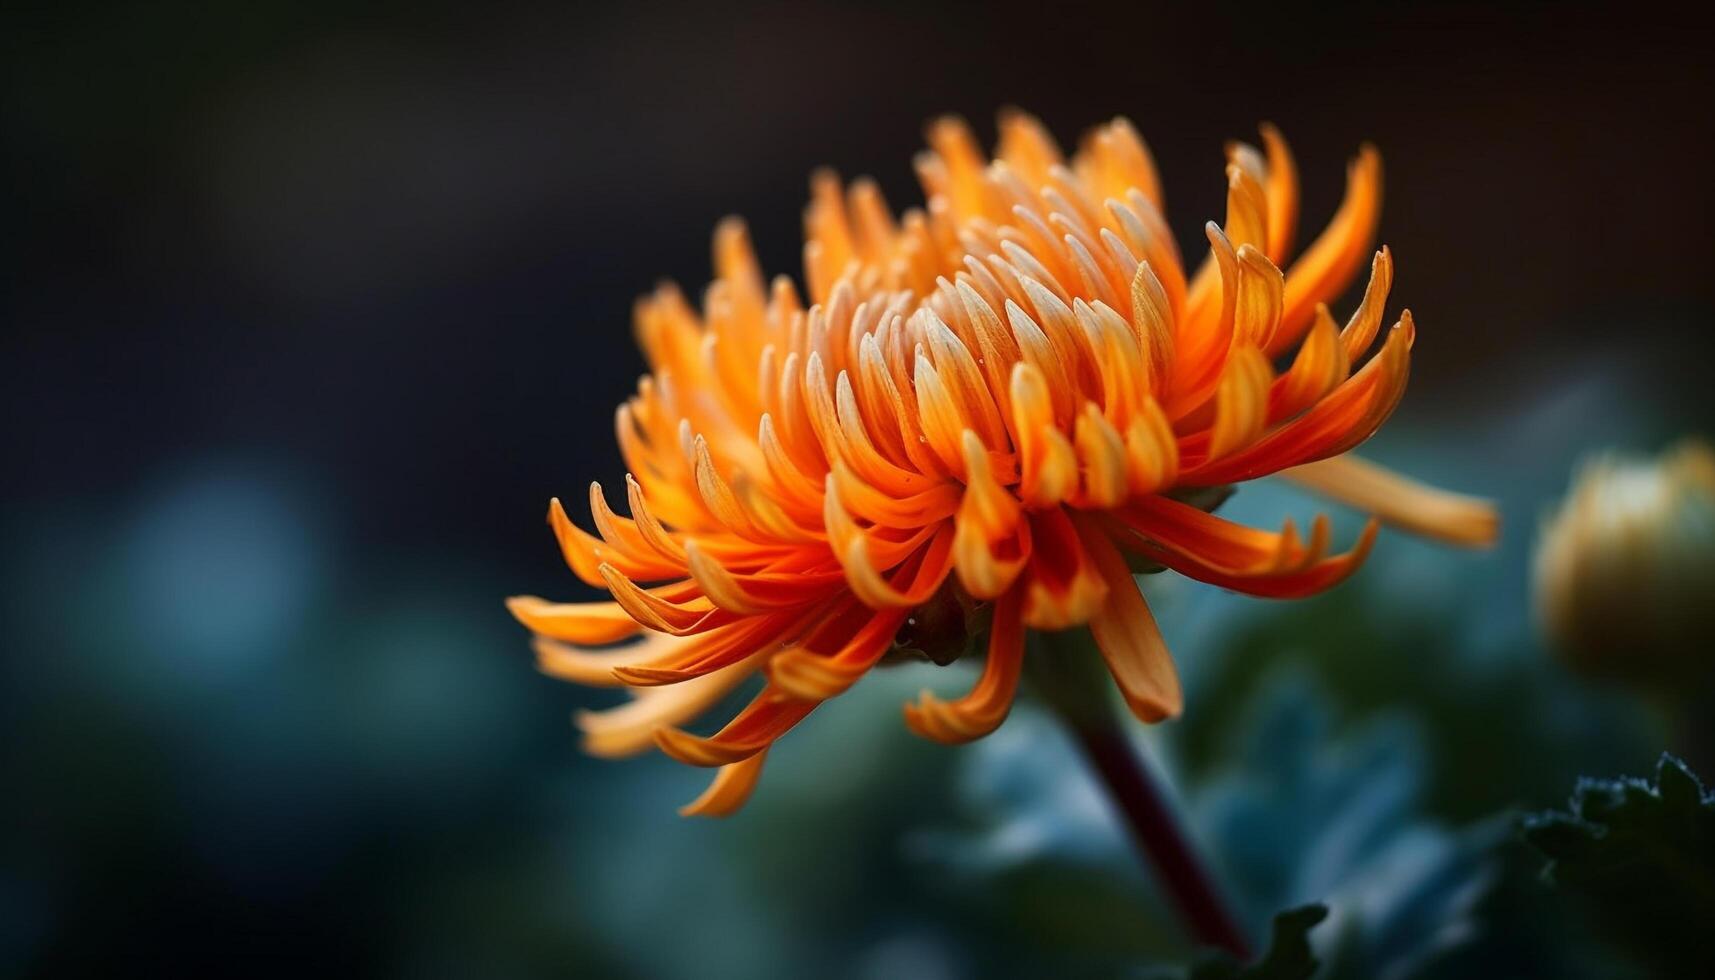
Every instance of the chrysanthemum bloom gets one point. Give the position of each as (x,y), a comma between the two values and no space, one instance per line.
(1625,569)
(993,400)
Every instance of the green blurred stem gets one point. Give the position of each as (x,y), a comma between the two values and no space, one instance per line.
(1068,675)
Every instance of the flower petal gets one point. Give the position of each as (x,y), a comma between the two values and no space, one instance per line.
(585,623)
(1328,264)
(729,791)
(1282,190)
(1127,636)
(1454,518)
(630,728)
(986,706)
(594,668)
(1218,552)
(767,717)
(1064,588)
(1337,423)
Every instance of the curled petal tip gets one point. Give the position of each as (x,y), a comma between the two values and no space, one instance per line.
(729,791)
(1153,712)
(694,751)
(651,676)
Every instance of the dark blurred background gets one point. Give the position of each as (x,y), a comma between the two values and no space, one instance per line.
(309,307)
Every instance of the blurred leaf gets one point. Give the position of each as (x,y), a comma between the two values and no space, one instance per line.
(1288,958)
(1642,855)
(1295,811)
(1501,727)
(1527,929)
(1303,811)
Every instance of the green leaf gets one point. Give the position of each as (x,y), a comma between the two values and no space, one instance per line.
(1288,958)
(1641,856)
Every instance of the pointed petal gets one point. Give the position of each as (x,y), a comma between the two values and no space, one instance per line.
(1127,636)
(586,623)
(1321,273)
(729,791)
(1064,588)
(1282,190)
(1454,518)
(630,728)
(769,716)
(985,707)
(594,668)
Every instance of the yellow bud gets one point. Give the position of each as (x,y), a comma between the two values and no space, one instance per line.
(1625,571)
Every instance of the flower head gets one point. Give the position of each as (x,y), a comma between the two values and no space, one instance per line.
(1625,568)
(998,398)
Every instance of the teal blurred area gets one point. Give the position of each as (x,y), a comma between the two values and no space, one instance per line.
(308,309)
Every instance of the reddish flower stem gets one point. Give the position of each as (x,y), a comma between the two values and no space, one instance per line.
(1155,829)
(1065,671)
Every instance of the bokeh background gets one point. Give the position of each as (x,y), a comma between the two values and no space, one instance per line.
(309,307)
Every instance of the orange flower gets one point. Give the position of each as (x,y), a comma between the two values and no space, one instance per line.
(996,395)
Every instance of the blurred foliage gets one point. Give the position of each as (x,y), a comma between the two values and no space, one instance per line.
(1640,856)
(1517,730)
(1288,958)
(1298,812)
(1295,815)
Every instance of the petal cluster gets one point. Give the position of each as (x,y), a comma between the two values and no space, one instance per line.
(999,396)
